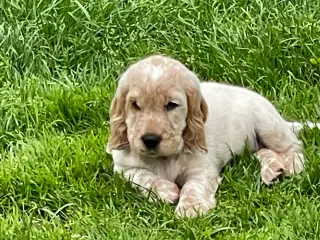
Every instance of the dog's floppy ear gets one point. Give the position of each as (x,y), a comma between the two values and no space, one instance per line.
(194,134)
(118,129)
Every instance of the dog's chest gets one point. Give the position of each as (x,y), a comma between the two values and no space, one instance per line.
(168,169)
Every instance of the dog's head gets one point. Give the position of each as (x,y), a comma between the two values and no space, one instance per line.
(158,109)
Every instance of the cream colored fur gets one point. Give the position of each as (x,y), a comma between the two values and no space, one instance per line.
(212,123)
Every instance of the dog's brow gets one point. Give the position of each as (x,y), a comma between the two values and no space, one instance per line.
(176,97)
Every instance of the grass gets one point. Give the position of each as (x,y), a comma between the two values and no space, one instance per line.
(59,62)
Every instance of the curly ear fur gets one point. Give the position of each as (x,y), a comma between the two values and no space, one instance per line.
(118,135)
(194,134)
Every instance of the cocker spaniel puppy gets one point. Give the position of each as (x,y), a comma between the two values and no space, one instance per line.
(172,134)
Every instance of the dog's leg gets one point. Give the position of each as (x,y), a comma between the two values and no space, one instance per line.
(283,152)
(147,180)
(197,195)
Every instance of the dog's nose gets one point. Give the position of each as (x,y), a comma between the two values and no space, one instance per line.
(151,141)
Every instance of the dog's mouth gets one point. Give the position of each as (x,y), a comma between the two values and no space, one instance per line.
(151,153)
(154,155)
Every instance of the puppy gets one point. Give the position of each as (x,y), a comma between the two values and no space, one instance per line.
(172,134)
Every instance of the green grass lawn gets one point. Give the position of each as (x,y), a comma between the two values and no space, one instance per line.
(59,62)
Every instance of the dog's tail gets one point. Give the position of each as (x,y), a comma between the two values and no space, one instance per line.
(296,127)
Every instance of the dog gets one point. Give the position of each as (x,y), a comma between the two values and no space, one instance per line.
(172,134)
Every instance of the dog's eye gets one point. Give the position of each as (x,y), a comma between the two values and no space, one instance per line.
(171,105)
(135,105)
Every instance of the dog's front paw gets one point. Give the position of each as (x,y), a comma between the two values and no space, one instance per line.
(193,207)
(167,191)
